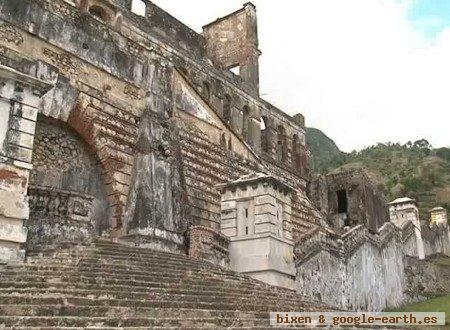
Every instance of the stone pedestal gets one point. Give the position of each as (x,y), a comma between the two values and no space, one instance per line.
(20,95)
(256,216)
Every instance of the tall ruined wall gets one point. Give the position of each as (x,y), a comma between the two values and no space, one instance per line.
(355,271)
(232,41)
(364,199)
(112,73)
(214,154)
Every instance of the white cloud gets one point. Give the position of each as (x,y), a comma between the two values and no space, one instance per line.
(356,69)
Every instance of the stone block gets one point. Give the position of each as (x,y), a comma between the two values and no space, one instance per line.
(230,223)
(11,252)
(20,153)
(265,199)
(228,205)
(265,257)
(24,111)
(265,209)
(13,179)
(265,218)
(21,139)
(230,232)
(13,205)
(12,230)
(24,125)
(228,215)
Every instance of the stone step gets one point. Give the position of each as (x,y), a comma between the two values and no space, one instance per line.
(123,250)
(141,264)
(107,263)
(126,312)
(155,281)
(99,290)
(141,328)
(139,276)
(149,294)
(109,285)
(124,288)
(101,322)
(153,299)
(156,297)
(217,305)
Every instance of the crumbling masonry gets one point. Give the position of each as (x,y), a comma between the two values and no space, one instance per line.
(134,128)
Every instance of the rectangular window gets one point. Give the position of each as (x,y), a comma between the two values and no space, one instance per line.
(342,201)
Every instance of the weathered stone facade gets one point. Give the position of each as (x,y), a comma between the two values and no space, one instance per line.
(124,126)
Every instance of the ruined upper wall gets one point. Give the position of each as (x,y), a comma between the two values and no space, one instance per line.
(232,41)
(126,46)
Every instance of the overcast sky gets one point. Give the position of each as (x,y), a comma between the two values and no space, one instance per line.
(362,71)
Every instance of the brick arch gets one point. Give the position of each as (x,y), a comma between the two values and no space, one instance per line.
(111,133)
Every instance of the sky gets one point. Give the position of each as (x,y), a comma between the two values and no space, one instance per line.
(361,71)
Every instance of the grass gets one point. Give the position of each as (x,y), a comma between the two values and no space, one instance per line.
(438,304)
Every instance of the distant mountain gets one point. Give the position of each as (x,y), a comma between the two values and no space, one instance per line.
(414,169)
(325,152)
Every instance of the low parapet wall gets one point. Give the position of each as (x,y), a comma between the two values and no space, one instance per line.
(357,270)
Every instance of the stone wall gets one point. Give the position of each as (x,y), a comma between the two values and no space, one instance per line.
(68,199)
(114,89)
(355,271)
(436,239)
(232,41)
(207,244)
(427,278)
(20,93)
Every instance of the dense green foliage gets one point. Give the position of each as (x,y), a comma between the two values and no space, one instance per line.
(414,169)
(324,150)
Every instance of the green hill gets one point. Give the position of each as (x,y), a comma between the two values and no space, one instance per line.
(414,169)
(325,152)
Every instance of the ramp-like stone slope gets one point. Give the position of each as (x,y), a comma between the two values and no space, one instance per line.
(108,285)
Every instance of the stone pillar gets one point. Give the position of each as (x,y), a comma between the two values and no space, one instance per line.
(156,215)
(20,95)
(403,210)
(256,216)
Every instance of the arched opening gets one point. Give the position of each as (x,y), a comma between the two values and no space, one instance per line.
(99,12)
(223,141)
(264,134)
(296,151)
(68,201)
(138,7)
(226,108)
(230,145)
(206,91)
(246,123)
(281,144)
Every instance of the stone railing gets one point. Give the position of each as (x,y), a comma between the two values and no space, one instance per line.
(210,245)
(57,203)
(58,217)
(345,245)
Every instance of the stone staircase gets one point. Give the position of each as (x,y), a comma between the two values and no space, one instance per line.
(110,286)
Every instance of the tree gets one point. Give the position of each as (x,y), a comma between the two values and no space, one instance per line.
(423,143)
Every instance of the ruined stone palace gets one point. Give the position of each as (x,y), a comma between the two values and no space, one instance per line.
(128,140)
